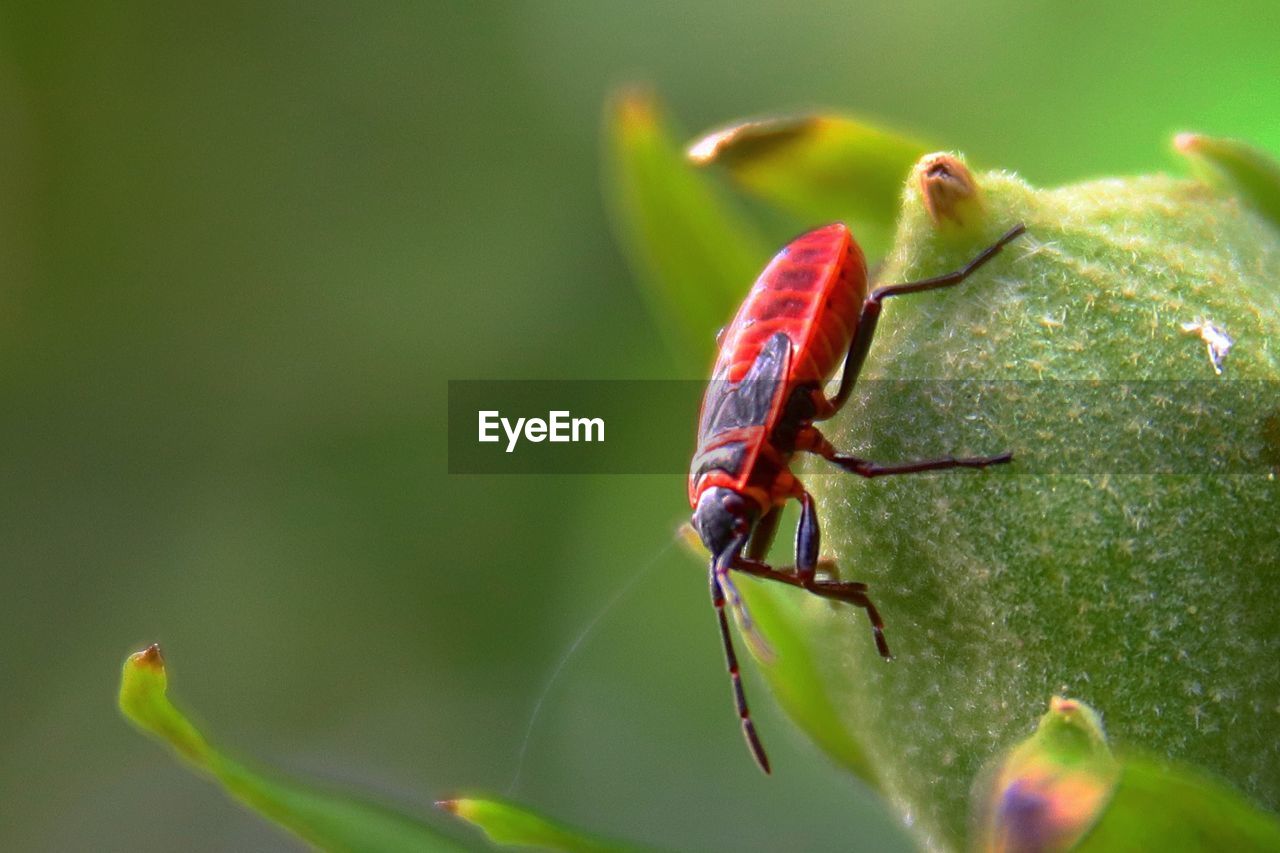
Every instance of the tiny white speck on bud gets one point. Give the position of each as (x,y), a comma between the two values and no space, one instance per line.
(1216,340)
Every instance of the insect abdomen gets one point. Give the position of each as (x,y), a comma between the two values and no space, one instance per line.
(812,291)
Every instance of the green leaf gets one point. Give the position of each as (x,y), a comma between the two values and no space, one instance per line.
(1061,789)
(823,168)
(330,821)
(694,254)
(1237,167)
(1159,806)
(515,826)
(1127,555)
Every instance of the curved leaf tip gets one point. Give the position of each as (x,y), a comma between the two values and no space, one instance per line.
(747,139)
(635,108)
(150,656)
(509,824)
(143,700)
(822,168)
(328,820)
(1239,168)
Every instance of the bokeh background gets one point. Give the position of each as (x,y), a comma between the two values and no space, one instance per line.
(243,247)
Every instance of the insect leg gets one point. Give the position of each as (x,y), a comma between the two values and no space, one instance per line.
(861,345)
(718,573)
(813,441)
(808,536)
(762,537)
(788,575)
(952,278)
(867,468)
(804,575)
(848,592)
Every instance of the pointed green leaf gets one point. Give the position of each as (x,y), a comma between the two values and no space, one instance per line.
(330,821)
(822,168)
(694,254)
(1237,167)
(515,826)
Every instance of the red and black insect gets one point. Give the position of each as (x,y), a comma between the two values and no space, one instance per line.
(808,311)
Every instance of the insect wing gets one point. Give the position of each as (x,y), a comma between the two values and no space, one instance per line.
(752,400)
(734,407)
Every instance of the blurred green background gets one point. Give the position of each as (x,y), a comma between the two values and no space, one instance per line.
(243,247)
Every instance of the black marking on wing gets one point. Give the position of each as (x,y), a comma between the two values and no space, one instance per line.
(748,402)
(728,457)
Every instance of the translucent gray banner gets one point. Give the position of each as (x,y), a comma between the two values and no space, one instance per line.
(1052,427)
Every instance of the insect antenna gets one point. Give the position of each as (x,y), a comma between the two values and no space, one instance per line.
(569,651)
(731,661)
